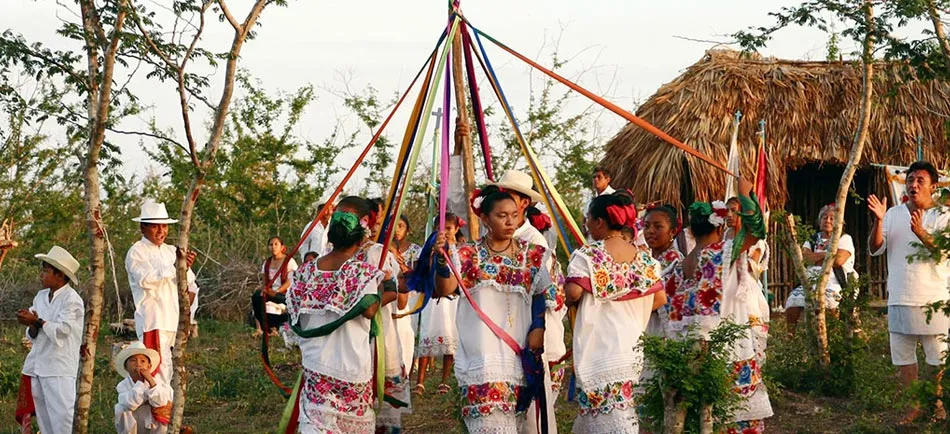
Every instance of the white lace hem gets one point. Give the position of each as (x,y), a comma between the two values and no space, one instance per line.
(444,349)
(323,419)
(496,423)
(618,421)
(756,407)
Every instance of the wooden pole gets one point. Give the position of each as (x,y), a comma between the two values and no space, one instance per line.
(463,142)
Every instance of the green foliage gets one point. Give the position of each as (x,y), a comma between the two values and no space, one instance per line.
(368,108)
(698,372)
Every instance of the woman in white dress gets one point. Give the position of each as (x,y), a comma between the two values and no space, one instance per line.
(507,280)
(438,334)
(813,252)
(331,303)
(275,293)
(718,286)
(616,286)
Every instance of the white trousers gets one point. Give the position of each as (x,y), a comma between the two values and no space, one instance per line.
(137,422)
(55,400)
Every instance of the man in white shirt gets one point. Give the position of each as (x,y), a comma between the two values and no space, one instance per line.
(601,183)
(910,286)
(153,279)
(55,324)
(317,240)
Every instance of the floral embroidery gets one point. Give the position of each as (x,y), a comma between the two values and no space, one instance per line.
(700,294)
(611,280)
(554,295)
(557,378)
(746,427)
(479,264)
(411,255)
(341,396)
(479,400)
(395,386)
(604,399)
(337,291)
(748,376)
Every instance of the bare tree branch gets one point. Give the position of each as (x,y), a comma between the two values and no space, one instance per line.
(230,18)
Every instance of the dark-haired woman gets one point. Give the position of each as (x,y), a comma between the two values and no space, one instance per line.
(717,286)
(389,416)
(275,292)
(616,285)
(507,280)
(331,303)
(661,225)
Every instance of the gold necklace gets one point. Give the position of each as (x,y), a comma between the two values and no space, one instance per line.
(612,236)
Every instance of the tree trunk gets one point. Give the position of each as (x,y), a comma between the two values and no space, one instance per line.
(857,149)
(938,31)
(706,420)
(201,168)
(463,144)
(674,413)
(99,101)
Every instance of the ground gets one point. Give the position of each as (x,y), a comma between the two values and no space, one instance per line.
(229,393)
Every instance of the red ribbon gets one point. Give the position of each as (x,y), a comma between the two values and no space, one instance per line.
(540,222)
(622,215)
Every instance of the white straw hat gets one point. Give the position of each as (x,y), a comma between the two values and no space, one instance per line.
(132,349)
(521,182)
(60,259)
(154,213)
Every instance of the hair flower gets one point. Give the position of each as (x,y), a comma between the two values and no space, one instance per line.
(719,213)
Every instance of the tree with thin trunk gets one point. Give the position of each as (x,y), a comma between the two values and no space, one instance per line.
(175,65)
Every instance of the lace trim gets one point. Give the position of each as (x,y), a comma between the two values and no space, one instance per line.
(449,348)
(620,421)
(496,424)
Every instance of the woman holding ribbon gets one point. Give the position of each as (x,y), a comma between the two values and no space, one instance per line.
(331,303)
(501,323)
(717,287)
(616,286)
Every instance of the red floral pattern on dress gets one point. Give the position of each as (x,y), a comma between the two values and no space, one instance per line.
(701,293)
(604,399)
(479,264)
(611,279)
(746,427)
(342,396)
(479,400)
(748,376)
(337,291)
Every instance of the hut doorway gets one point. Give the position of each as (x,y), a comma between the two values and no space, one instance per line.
(812,186)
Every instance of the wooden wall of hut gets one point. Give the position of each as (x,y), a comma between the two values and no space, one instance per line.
(809,188)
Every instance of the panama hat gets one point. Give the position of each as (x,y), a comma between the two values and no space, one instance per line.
(61,260)
(132,349)
(154,213)
(521,182)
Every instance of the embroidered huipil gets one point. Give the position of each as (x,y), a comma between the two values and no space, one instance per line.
(135,403)
(55,351)
(489,373)
(721,291)
(607,358)
(152,279)
(404,324)
(668,260)
(336,393)
(397,381)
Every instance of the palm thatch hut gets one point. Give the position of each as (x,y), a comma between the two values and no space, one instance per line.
(811,111)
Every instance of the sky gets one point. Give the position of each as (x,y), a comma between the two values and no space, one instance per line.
(621,49)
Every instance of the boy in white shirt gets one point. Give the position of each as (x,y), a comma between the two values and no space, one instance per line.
(144,405)
(55,324)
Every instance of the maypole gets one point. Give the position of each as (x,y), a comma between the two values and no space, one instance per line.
(463,143)
(433,174)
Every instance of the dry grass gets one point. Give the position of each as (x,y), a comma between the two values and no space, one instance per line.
(811,109)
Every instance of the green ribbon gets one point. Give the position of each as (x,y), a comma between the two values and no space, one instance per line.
(365,302)
(285,418)
(752,223)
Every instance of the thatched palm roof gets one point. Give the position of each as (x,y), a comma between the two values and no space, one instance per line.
(811,109)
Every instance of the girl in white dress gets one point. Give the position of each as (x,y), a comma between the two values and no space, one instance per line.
(438,335)
(406,254)
(616,286)
(331,303)
(507,280)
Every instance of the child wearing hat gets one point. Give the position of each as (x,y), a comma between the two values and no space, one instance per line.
(144,405)
(54,326)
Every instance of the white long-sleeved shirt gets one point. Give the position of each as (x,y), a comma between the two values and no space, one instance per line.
(134,395)
(316,242)
(919,282)
(55,351)
(153,281)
